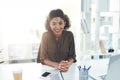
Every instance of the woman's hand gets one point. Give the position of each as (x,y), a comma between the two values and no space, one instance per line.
(63,66)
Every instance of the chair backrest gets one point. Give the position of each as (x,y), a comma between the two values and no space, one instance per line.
(113,72)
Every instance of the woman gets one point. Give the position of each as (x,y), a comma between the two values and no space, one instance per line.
(57,47)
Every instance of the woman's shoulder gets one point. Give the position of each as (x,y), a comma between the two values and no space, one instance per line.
(45,34)
(69,35)
(68,32)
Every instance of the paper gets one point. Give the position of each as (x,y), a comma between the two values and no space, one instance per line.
(55,76)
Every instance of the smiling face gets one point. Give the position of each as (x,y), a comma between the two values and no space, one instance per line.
(57,25)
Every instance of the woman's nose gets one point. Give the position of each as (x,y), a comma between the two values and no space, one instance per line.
(57,26)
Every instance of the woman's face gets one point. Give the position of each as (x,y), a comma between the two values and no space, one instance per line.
(57,25)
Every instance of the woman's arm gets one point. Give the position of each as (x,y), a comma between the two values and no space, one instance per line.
(51,63)
(62,65)
(70,61)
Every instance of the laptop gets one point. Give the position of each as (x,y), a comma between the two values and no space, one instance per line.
(113,72)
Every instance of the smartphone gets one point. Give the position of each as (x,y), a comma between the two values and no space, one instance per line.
(45,74)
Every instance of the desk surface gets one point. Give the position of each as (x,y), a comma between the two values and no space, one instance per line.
(32,71)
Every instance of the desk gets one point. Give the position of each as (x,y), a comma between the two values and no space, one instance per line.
(32,71)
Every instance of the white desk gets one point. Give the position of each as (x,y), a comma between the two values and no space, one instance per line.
(32,71)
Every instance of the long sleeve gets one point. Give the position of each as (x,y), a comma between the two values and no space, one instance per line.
(72,47)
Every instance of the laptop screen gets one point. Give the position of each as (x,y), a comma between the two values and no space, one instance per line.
(113,72)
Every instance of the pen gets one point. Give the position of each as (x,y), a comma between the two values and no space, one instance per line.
(61,75)
(84,67)
(79,67)
(88,68)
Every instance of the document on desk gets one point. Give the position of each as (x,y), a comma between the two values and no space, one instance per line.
(55,76)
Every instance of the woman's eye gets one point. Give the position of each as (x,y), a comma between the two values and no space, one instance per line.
(60,23)
(53,24)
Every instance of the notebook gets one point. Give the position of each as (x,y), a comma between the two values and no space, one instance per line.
(113,72)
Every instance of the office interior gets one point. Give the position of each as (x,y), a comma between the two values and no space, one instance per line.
(94,23)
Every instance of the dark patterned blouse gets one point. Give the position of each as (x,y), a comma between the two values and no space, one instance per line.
(57,50)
